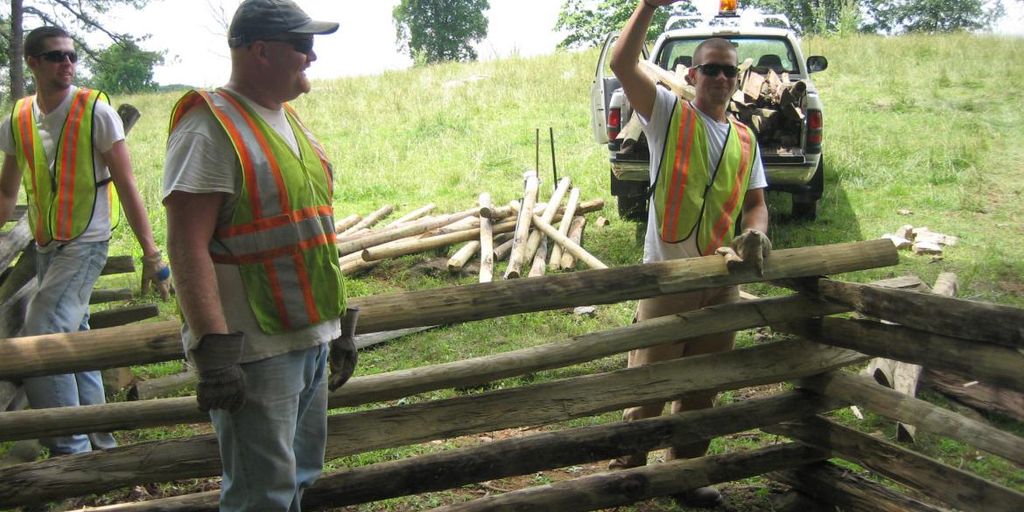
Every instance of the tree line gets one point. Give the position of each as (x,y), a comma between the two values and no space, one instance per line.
(431,31)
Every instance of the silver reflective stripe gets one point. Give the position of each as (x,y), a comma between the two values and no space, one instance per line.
(291,288)
(287,235)
(266,187)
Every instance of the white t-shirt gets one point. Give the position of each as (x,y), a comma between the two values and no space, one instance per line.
(107,130)
(201,160)
(655,249)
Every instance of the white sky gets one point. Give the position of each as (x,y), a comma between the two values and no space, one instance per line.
(197,48)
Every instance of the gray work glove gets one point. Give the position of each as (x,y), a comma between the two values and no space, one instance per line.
(221,381)
(749,249)
(157,274)
(343,351)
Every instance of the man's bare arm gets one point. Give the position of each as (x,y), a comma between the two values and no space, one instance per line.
(191,221)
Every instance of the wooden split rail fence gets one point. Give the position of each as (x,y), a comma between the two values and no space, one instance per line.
(814,360)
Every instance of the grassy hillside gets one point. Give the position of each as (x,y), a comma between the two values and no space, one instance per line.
(926,124)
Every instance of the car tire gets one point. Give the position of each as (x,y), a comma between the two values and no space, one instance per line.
(805,206)
(632,208)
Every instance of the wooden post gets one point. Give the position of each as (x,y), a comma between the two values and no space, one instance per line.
(110,295)
(406,230)
(896,405)
(844,489)
(540,259)
(462,256)
(522,228)
(555,261)
(968,391)
(342,225)
(952,486)
(576,228)
(549,213)
(121,316)
(503,250)
(413,215)
(947,316)
(567,244)
(369,220)
(486,242)
(993,363)
(606,490)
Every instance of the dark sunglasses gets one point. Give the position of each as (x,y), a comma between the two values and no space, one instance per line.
(303,45)
(58,56)
(713,70)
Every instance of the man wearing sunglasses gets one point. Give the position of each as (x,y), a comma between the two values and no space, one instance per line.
(66,146)
(248,192)
(705,171)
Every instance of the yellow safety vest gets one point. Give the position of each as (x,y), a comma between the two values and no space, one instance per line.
(685,200)
(281,234)
(61,202)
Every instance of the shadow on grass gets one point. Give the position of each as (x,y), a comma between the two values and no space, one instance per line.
(836,223)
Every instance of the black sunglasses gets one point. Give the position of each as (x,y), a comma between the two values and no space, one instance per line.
(713,70)
(303,45)
(58,56)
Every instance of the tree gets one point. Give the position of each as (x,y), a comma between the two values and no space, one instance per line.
(432,31)
(809,16)
(76,16)
(894,16)
(125,68)
(589,21)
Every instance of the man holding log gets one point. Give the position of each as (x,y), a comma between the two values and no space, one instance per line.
(66,145)
(705,171)
(248,192)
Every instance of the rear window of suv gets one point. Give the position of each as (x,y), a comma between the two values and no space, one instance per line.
(766,53)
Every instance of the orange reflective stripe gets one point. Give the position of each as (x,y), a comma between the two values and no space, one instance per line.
(275,169)
(680,174)
(269,254)
(725,219)
(278,294)
(182,109)
(244,159)
(25,127)
(273,222)
(307,290)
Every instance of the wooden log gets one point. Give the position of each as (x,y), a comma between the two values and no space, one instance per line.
(948,316)
(952,486)
(576,228)
(882,370)
(605,490)
(118,265)
(369,220)
(522,229)
(23,272)
(8,392)
(497,213)
(977,395)
(898,406)
(519,456)
(503,250)
(342,225)
(463,255)
(47,354)
(945,285)
(554,202)
(132,345)
(540,259)
(846,490)
(413,215)
(567,244)
(116,379)
(993,363)
(405,230)
(458,374)
(14,242)
(486,242)
(122,316)
(555,260)
(110,295)
(670,79)
(409,424)
(163,386)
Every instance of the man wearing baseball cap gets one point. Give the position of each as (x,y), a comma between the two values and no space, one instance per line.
(250,227)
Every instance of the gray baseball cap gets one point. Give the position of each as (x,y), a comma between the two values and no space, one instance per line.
(259,19)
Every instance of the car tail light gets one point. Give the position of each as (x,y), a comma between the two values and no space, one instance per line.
(815,126)
(614,122)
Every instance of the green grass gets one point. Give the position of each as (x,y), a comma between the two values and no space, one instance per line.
(930,124)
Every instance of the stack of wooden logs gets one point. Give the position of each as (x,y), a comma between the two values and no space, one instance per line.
(518,231)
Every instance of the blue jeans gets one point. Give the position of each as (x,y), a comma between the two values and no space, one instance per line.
(273,447)
(66,274)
